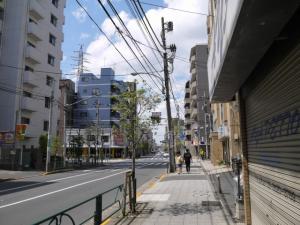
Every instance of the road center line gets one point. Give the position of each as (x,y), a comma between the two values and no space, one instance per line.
(60,190)
(64,178)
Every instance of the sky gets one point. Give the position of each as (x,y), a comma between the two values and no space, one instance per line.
(189,30)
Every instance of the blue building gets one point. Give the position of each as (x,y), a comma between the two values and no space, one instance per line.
(100,94)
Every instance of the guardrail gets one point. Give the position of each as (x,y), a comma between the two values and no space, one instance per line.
(58,218)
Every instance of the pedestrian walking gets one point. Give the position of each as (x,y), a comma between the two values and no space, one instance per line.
(187,159)
(202,153)
(179,161)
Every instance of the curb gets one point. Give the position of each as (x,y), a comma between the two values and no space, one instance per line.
(148,185)
(56,171)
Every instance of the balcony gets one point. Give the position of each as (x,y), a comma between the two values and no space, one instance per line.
(194,113)
(33,55)
(193,72)
(194,88)
(30,79)
(223,132)
(36,10)
(193,58)
(34,32)
(30,104)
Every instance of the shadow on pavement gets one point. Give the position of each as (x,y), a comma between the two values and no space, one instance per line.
(10,187)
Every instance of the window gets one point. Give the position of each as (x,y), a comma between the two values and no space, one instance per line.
(25,120)
(53,20)
(27,94)
(47,102)
(84,79)
(52,39)
(48,81)
(1,13)
(55,3)
(84,91)
(51,60)
(105,139)
(28,68)
(83,114)
(46,125)
(96,91)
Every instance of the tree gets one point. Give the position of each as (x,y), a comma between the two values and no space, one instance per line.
(55,146)
(135,107)
(43,140)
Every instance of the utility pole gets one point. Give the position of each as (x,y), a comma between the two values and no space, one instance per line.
(134,146)
(50,126)
(169,115)
(97,130)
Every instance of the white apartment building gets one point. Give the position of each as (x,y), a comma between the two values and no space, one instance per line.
(30,56)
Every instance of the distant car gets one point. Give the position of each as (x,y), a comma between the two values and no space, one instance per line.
(166,155)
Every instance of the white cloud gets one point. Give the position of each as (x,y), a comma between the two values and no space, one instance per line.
(189,30)
(79,14)
(84,36)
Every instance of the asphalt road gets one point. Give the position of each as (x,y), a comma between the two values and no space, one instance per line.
(26,201)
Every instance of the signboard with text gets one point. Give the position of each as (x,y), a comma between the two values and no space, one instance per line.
(6,137)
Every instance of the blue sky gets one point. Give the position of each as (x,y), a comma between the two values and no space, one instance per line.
(189,30)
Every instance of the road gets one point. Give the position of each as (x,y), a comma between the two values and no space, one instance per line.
(32,199)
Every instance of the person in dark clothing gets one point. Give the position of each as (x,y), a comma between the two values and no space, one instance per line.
(187,159)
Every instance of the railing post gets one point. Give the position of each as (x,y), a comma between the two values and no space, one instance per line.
(130,193)
(98,212)
(125,194)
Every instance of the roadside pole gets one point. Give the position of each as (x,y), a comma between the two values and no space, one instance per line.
(134,148)
(169,115)
(50,126)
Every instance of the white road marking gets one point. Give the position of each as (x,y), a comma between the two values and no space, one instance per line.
(49,181)
(86,170)
(64,178)
(60,190)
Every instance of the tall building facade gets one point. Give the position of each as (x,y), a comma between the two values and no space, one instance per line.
(31,37)
(94,110)
(254,53)
(196,102)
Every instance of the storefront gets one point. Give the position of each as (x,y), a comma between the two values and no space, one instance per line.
(256,52)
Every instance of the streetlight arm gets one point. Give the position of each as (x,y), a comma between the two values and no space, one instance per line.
(67,105)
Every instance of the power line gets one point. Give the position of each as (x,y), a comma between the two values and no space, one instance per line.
(99,28)
(128,45)
(132,9)
(136,45)
(165,7)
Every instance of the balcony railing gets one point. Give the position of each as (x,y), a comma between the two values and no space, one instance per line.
(30,79)
(33,55)
(34,31)
(36,10)
(30,104)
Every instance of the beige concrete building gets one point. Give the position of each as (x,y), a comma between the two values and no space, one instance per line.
(31,37)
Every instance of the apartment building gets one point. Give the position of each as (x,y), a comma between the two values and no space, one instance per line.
(254,56)
(31,37)
(95,96)
(196,102)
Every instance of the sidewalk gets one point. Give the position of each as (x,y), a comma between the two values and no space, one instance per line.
(228,187)
(179,199)
(6,175)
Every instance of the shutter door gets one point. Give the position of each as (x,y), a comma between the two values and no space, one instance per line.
(273,140)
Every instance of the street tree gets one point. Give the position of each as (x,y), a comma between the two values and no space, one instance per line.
(55,146)
(135,107)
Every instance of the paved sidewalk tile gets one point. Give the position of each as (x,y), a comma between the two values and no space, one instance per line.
(178,199)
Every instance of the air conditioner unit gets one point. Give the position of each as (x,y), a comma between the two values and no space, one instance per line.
(236,136)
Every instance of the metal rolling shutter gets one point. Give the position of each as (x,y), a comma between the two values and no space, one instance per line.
(273,141)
